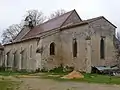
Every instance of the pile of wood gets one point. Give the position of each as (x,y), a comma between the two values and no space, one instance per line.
(73,75)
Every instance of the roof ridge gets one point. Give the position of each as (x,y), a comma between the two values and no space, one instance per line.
(97,18)
(43,23)
(56,17)
(67,17)
(69,12)
(93,18)
(18,34)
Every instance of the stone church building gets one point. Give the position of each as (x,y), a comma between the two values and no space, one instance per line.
(65,40)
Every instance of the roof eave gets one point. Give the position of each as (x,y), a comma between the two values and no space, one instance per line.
(21,41)
(109,22)
(62,28)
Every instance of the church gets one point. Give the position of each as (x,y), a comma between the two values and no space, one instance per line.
(66,40)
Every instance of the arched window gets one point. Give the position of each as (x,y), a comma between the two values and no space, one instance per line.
(102,48)
(8,59)
(23,58)
(30,51)
(74,48)
(15,60)
(52,48)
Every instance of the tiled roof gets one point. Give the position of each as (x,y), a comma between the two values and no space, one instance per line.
(55,24)
(93,19)
(49,25)
(97,18)
(40,35)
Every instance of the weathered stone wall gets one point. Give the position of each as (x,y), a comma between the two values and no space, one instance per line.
(88,48)
(64,46)
(50,61)
(1,58)
(67,37)
(64,49)
(29,62)
(105,29)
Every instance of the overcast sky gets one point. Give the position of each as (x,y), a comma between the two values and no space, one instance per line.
(12,11)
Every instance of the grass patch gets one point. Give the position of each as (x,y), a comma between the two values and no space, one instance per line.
(8,85)
(11,73)
(89,78)
(57,73)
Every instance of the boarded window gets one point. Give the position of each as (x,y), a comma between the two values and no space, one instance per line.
(74,48)
(52,48)
(102,48)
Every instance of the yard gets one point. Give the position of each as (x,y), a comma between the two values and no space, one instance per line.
(52,81)
(8,83)
(8,80)
(89,78)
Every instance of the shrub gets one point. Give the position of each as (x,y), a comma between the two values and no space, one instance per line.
(62,69)
(57,70)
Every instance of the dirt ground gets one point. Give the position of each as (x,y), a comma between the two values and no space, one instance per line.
(48,84)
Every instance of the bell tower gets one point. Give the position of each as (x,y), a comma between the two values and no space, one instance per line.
(29,22)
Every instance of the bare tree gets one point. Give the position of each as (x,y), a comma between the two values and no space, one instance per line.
(57,13)
(10,33)
(35,17)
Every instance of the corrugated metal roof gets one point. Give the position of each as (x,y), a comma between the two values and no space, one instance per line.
(101,68)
